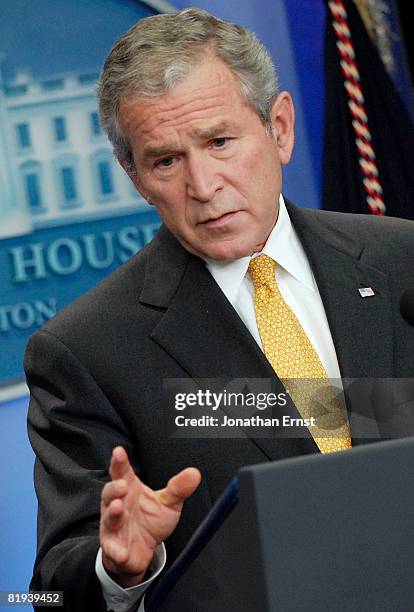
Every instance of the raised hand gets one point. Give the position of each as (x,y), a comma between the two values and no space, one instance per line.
(135,519)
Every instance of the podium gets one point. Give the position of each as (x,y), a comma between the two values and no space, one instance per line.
(314,533)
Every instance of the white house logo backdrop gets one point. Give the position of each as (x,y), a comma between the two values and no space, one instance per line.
(68,214)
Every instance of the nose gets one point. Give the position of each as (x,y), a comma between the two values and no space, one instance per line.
(203,180)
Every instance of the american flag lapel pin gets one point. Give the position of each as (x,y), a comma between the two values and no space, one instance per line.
(366,291)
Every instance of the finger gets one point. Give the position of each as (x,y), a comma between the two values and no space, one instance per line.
(120,466)
(114,516)
(114,490)
(180,487)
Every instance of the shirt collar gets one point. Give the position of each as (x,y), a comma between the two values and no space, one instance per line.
(283,245)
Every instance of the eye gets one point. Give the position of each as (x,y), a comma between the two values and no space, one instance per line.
(219,143)
(165,162)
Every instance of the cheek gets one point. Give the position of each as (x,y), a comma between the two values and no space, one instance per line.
(269,176)
(172,209)
(258,167)
(257,180)
(167,196)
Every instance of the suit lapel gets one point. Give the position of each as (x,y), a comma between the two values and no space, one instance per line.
(361,328)
(201,330)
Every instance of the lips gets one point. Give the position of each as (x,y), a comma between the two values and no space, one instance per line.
(220,220)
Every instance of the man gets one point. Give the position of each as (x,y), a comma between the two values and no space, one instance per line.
(190,104)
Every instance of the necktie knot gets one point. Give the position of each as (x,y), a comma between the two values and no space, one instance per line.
(262,271)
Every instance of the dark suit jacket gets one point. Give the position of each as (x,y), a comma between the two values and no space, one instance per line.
(96,370)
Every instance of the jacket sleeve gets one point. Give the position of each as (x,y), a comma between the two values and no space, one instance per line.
(73,428)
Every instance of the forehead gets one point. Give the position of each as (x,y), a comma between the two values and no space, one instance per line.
(209,96)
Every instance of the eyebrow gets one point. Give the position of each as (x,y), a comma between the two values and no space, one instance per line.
(213,131)
(199,134)
(150,152)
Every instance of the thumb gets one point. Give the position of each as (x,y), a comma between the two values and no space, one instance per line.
(179,487)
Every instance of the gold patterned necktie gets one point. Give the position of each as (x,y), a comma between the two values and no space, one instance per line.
(295,360)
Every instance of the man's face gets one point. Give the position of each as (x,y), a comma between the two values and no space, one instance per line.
(205,160)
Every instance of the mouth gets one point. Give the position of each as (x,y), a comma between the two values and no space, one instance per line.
(220,220)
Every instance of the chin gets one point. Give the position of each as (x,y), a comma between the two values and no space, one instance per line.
(229,252)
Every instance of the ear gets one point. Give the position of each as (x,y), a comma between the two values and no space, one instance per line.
(134,178)
(283,122)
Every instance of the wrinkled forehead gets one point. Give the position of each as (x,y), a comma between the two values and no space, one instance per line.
(210,94)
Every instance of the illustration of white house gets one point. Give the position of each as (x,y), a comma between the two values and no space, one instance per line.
(56,166)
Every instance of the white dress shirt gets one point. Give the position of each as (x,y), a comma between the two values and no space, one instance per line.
(299,290)
(120,599)
(295,281)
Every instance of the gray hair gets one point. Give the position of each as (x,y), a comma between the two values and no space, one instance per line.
(159,52)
